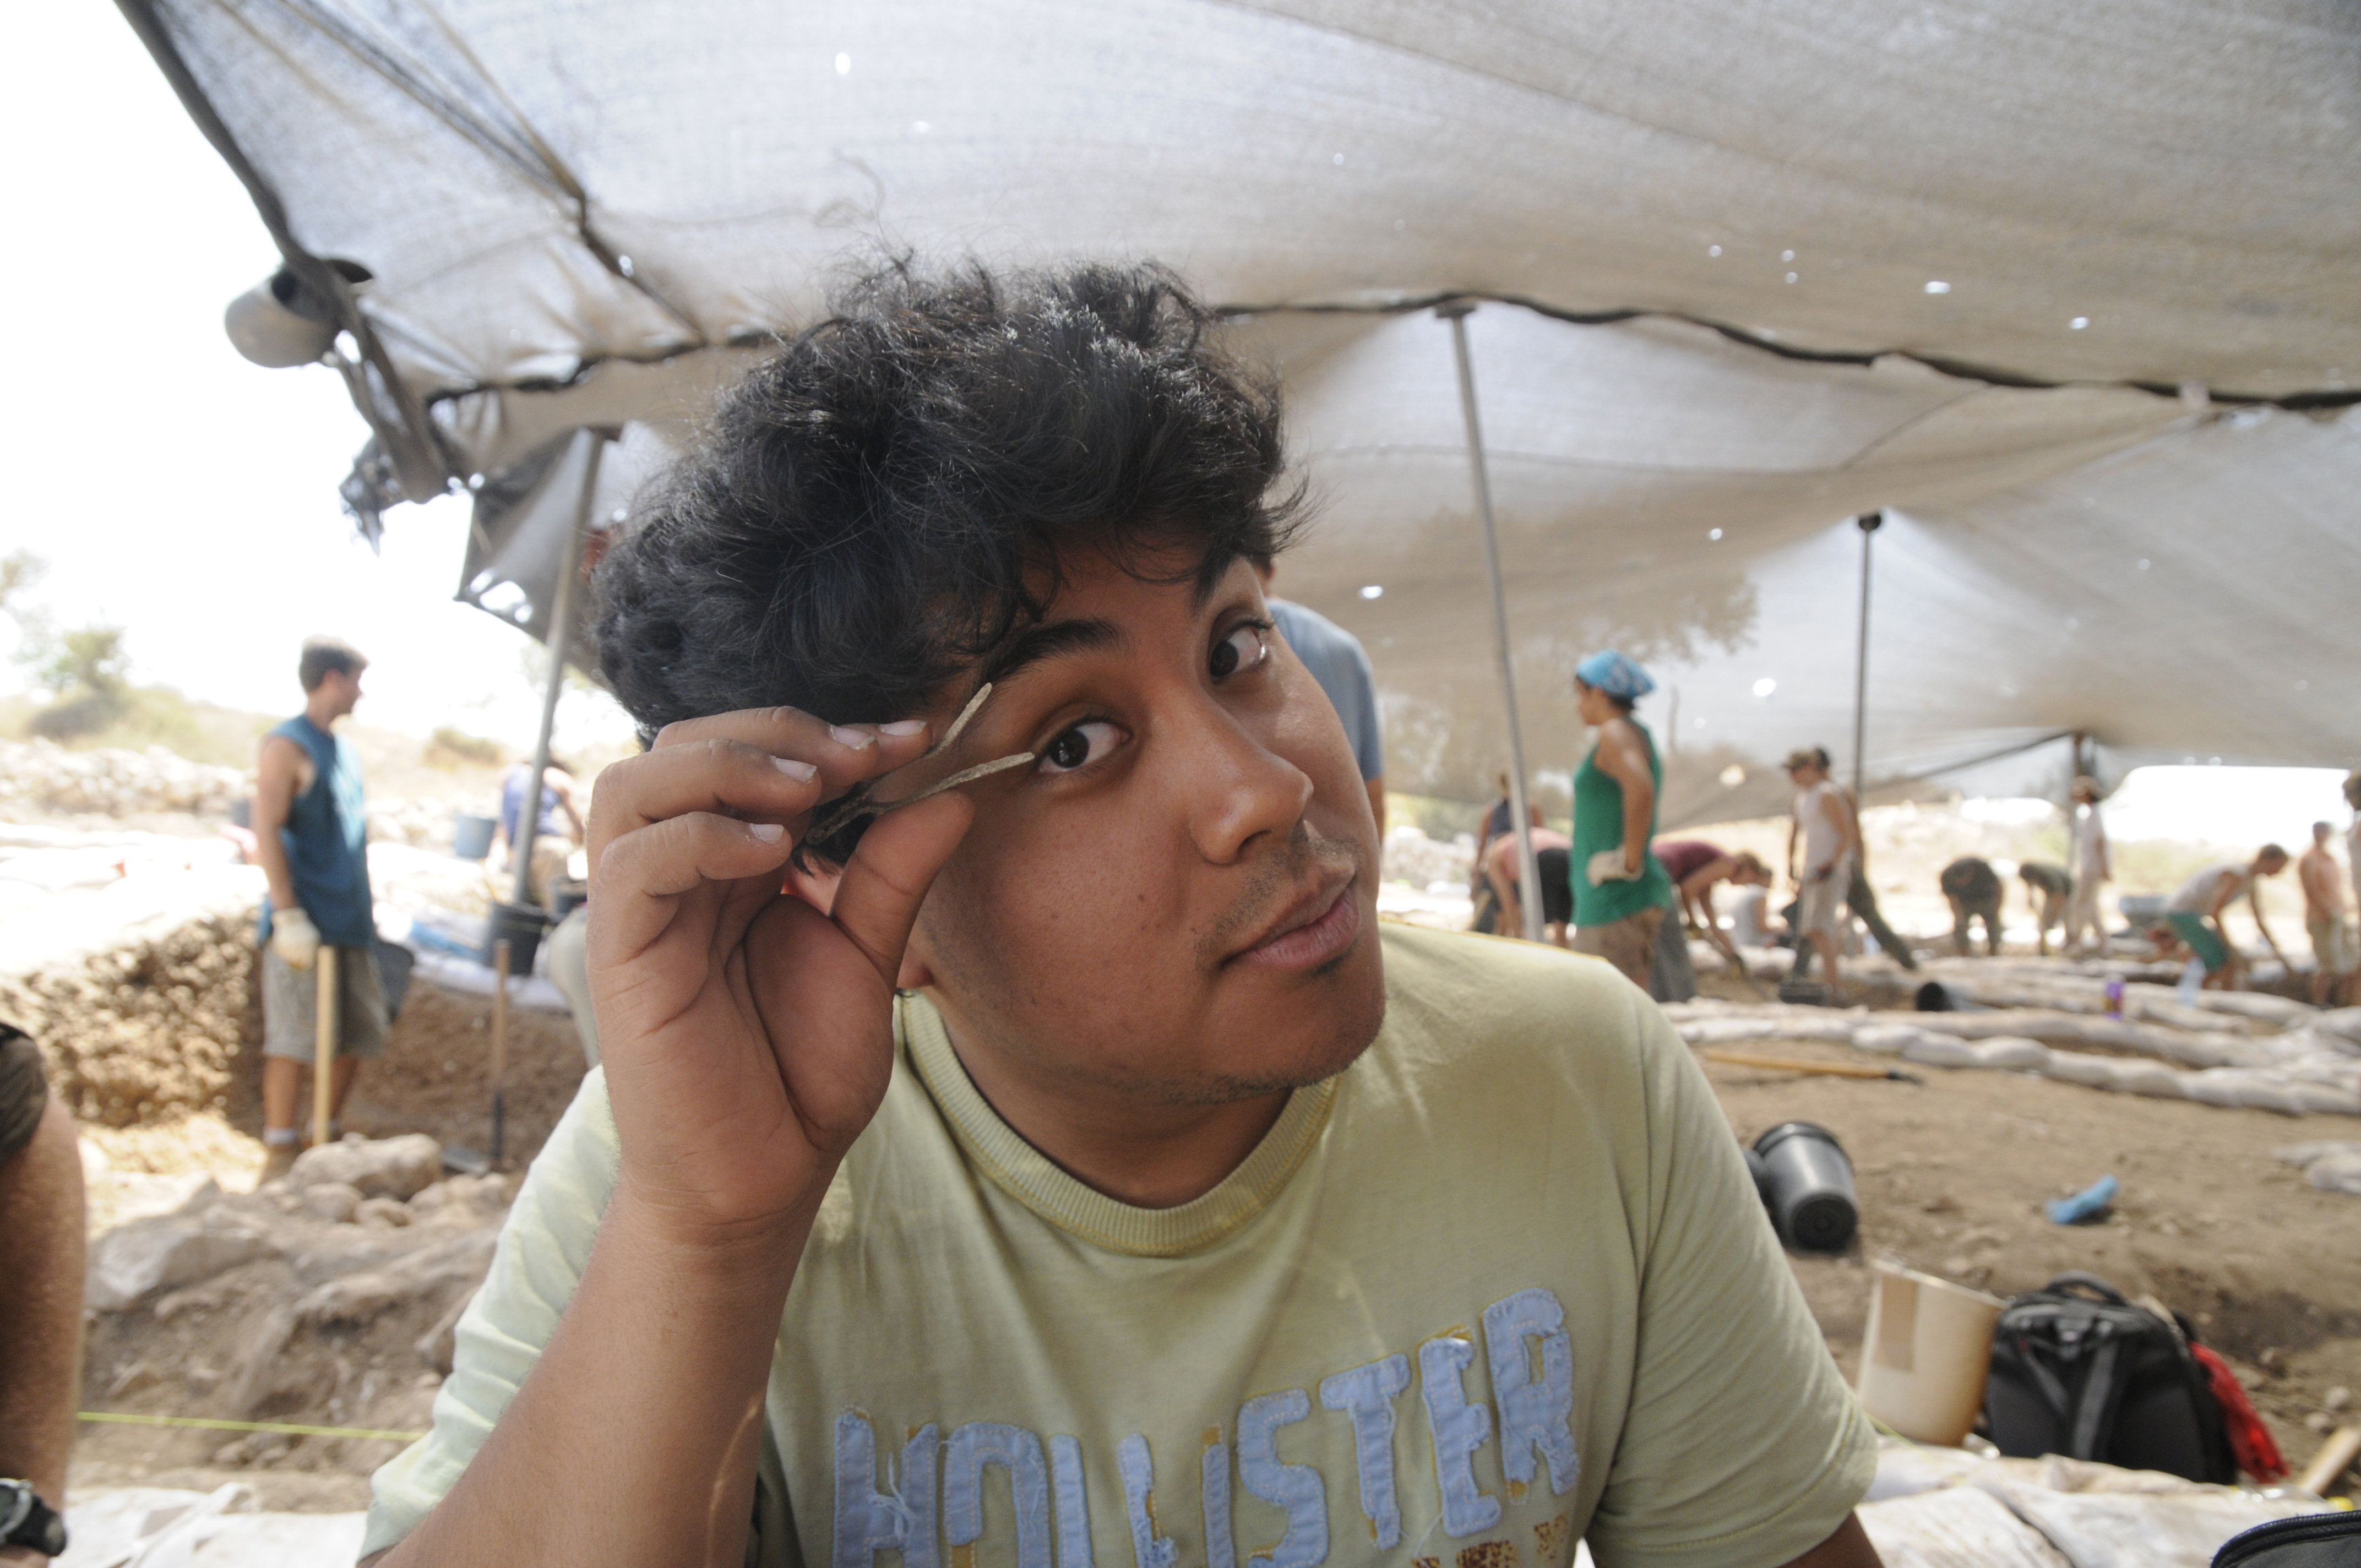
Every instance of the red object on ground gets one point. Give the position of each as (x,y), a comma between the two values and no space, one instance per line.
(2250,1440)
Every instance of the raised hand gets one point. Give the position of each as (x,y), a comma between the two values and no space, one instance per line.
(746,1036)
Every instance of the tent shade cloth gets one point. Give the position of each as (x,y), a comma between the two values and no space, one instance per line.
(2006,269)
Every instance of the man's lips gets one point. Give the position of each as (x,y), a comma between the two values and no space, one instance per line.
(1315,926)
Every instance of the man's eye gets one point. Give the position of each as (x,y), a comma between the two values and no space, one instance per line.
(1241,650)
(1085,742)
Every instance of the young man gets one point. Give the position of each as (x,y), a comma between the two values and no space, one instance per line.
(1823,824)
(1973,891)
(311,831)
(1068,1169)
(2048,887)
(2195,913)
(2093,867)
(2327,920)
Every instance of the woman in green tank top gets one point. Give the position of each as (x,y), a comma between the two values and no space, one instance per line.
(1620,892)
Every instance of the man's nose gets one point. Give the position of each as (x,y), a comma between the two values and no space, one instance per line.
(1233,787)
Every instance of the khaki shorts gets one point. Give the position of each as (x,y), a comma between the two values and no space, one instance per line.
(1818,902)
(1630,944)
(2333,946)
(290,1005)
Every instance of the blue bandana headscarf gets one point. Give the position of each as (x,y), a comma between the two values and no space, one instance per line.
(1616,676)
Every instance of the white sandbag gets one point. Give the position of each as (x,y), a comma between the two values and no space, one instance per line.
(1933,1050)
(2012,1053)
(1957,1526)
(2140,1530)
(2241,1087)
(2083,1068)
(2304,1154)
(2337,1173)
(2344,1022)
(2154,1080)
(1905,1468)
(1887,1039)
(2323,1099)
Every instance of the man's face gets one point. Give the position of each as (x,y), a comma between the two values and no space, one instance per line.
(1175,903)
(344,691)
(1806,774)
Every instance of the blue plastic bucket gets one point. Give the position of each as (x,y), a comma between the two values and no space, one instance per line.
(471,835)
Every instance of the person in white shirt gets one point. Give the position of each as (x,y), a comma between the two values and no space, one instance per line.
(1823,825)
(2204,898)
(2092,866)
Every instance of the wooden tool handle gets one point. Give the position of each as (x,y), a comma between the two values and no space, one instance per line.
(327,967)
(2335,1457)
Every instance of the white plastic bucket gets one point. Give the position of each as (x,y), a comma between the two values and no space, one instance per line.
(1925,1354)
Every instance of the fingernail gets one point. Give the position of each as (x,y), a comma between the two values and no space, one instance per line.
(903,727)
(800,772)
(766,832)
(851,739)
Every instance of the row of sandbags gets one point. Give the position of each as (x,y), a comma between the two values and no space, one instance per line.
(2310,1070)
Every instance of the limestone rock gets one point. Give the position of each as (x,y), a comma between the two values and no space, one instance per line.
(331,1200)
(382,1214)
(378,1167)
(133,1262)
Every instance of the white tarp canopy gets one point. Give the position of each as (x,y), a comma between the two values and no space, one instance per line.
(2007,270)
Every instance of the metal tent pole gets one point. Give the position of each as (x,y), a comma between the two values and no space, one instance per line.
(1529,874)
(561,634)
(1869,522)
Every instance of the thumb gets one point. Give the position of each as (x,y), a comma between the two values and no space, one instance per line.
(886,880)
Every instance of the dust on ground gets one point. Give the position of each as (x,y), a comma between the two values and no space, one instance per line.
(1952,1174)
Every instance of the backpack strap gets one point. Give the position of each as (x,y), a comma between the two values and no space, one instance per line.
(2094,1413)
(2073,1279)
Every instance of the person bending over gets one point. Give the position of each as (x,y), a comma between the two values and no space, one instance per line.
(1551,863)
(2195,909)
(2049,890)
(1973,891)
(1069,1168)
(1697,867)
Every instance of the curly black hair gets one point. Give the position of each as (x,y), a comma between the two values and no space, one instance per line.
(881,506)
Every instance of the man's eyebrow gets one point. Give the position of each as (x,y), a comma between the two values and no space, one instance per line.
(1055,640)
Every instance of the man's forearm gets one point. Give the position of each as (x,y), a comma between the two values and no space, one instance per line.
(40,1314)
(271,855)
(634,1439)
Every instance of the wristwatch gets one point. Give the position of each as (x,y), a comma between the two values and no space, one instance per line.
(25,1520)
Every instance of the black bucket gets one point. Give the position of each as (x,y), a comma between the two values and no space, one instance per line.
(521,925)
(1809,1187)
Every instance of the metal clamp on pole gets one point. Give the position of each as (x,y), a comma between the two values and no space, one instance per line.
(1529,871)
(1869,522)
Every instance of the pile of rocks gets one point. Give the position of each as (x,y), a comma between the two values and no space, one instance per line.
(148,1027)
(423,824)
(328,1297)
(1426,863)
(40,775)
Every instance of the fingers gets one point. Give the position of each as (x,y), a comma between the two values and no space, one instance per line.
(886,880)
(645,872)
(768,764)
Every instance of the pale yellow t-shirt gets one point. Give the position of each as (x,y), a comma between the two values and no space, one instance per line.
(1501,1284)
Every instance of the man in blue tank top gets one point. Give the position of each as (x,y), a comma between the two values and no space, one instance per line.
(311,837)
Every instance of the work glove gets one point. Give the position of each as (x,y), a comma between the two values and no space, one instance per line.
(294,939)
(1608,866)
